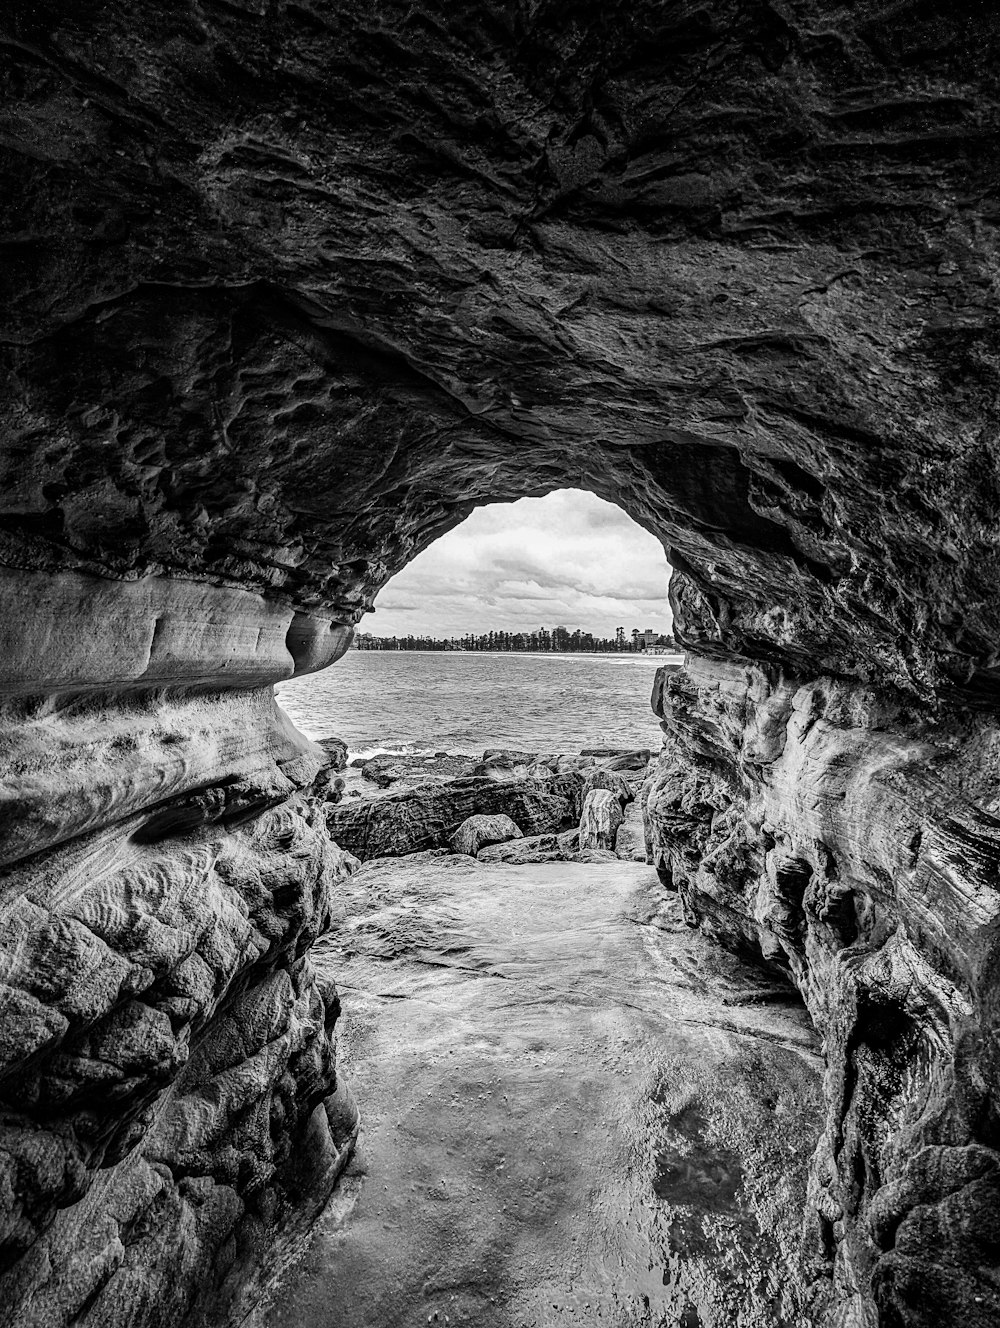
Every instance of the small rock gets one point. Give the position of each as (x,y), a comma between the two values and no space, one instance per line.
(478,832)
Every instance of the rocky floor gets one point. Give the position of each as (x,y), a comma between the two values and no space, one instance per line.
(575,1111)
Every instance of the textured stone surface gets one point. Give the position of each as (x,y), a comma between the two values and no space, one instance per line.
(478,832)
(418,819)
(166,1050)
(287,290)
(852,844)
(610,780)
(599,820)
(564,847)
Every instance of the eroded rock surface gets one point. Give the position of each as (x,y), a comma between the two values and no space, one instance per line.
(418,819)
(852,844)
(288,289)
(600,819)
(480,831)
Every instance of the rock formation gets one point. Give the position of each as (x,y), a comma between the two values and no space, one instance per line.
(289,289)
(417,819)
(600,819)
(478,832)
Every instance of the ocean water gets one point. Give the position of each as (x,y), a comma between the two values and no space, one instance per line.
(405,701)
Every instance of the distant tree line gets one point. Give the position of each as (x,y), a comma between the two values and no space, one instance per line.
(560,640)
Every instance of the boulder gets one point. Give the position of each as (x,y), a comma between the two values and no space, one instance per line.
(477,832)
(599,777)
(602,815)
(383,771)
(421,818)
(502,766)
(335,750)
(569,762)
(595,855)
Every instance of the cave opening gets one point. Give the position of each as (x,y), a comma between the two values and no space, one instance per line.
(457,654)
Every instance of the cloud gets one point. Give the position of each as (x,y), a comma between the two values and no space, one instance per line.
(569,559)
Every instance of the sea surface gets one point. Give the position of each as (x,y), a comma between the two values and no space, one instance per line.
(413,701)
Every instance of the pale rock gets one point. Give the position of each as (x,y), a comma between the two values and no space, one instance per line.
(601,778)
(599,822)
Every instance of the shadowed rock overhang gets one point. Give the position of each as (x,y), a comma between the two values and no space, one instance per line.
(289,288)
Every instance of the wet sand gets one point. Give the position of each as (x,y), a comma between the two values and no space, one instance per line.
(576,1111)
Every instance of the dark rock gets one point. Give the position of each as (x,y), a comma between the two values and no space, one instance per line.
(336,752)
(417,819)
(630,840)
(478,831)
(384,771)
(328,786)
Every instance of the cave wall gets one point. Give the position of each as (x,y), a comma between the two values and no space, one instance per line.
(849,839)
(289,288)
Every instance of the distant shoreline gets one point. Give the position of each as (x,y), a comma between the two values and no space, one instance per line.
(534,654)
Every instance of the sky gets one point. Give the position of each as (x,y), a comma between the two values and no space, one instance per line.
(569,559)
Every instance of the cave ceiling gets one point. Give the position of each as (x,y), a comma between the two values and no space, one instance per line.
(289,288)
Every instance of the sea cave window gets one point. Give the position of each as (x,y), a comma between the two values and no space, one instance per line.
(535,625)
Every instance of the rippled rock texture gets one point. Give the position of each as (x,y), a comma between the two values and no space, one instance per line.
(288,288)
(852,844)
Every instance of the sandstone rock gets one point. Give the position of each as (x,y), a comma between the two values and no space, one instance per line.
(336,752)
(501,766)
(382,771)
(417,819)
(535,848)
(477,832)
(328,786)
(567,762)
(599,822)
(632,761)
(601,778)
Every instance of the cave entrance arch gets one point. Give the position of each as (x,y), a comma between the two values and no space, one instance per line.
(567,575)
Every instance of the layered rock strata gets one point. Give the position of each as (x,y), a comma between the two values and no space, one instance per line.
(288,289)
(169,1104)
(834,833)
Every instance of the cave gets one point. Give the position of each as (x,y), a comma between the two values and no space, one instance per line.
(289,289)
